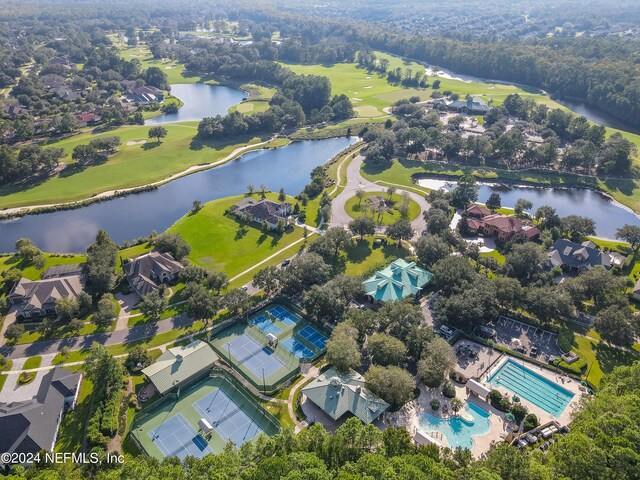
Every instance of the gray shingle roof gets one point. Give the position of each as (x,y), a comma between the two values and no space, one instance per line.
(338,393)
(144,272)
(580,257)
(44,293)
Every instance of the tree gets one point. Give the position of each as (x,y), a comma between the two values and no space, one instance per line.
(524,262)
(281,195)
(385,349)
(400,230)
(155,77)
(391,191)
(630,234)
(14,332)
(237,301)
(494,202)
(217,281)
(393,384)
(522,205)
(66,307)
(157,132)
(342,349)
(138,359)
(360,195)
(267,279)
(362,226)
(397,442)
(465,192)
(437,359)
(400,319)
(615,324)
(173,243)
(456,405)
(577,227)
(197,206)
(102,259)
(431,248)
(105,312)
(251,189)
(153,304)
(437,221)
(201,305)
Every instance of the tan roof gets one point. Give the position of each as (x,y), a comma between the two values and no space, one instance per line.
(179,364)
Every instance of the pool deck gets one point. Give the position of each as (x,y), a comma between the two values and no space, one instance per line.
(560,379)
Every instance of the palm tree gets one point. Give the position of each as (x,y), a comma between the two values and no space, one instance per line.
(456,405)
(251,189)
(390,191)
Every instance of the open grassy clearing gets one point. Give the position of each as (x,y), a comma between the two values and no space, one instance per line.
(251,106)
(71,430)
(356,208)
(221,242)
(363,257)
(601,358)
(29,271)
(132,165)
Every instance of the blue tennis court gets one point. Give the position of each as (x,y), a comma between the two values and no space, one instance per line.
(297,348)
(253,355)
(227,417)
(285,316)
(176,438)
(313,336)
(266,325)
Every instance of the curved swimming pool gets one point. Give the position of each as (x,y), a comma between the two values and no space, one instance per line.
(458,430)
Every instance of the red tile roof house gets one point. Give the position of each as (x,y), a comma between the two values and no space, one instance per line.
(87,118)
(501,227)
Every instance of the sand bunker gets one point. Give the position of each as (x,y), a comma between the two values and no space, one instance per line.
(170,67)
(368,86)
(133,142)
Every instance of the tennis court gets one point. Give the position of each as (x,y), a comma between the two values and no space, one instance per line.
(266,325)
(283,315)
(169,426)
(176,438)
(257,358)
(297,348)
(314,337)
(227,417)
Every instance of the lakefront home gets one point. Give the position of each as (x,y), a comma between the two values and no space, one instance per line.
(38,298)
(575,257)
(147,272)
(261,211)
(501,227)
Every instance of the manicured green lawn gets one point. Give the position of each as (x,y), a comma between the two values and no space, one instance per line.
(72,426)
(132,165)
(601,359)
(221,242)
(356,208)
(3,379)
(32,362)
(252,106)
(362,257)
(495,254)
(29,271)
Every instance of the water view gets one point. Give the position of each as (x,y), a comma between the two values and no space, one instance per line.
(137,215)
(200,101)
(608,215)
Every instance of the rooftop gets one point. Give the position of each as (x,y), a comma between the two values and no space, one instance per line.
(397,281)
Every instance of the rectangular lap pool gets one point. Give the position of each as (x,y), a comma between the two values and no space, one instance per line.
(535,388)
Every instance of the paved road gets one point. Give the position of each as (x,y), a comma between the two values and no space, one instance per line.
(355,180)
(83,342)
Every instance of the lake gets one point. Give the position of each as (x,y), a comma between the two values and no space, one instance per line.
(200,101)
(608,215)
(137,215)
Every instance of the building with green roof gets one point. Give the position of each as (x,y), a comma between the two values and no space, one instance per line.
(398,280)
(338,394)
(180,366)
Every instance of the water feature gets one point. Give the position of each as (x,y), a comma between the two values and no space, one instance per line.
(608,215)
(459,430)
(534,388)
(126,218)
(200,101)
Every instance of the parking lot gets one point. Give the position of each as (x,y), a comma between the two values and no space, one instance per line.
(521,337)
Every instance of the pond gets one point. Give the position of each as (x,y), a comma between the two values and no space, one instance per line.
(200,101)
(608,215)
(126,218)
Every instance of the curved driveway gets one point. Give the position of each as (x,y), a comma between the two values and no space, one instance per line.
(354,180)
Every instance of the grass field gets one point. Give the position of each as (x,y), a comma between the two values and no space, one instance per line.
(221,242)
(601,358)
(362,257)
(71,430)
(29,271)
(132,165)
(32,362)
(251,106)
(355,208)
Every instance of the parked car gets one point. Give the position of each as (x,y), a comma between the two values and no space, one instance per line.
(488,332)
(285,263)
(534,350)
(446,330)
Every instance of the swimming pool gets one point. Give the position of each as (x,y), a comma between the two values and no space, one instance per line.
(459,431)
(535,388)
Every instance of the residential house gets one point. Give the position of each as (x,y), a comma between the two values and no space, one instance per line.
(38,298)
(261,211)
(32,425)
(180,366)
(400,279)
(86,118)
(470,106)
(339,394)
(501,227)
(144,95)
(576,258)
(14,111)
(67,270)
(147,272)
